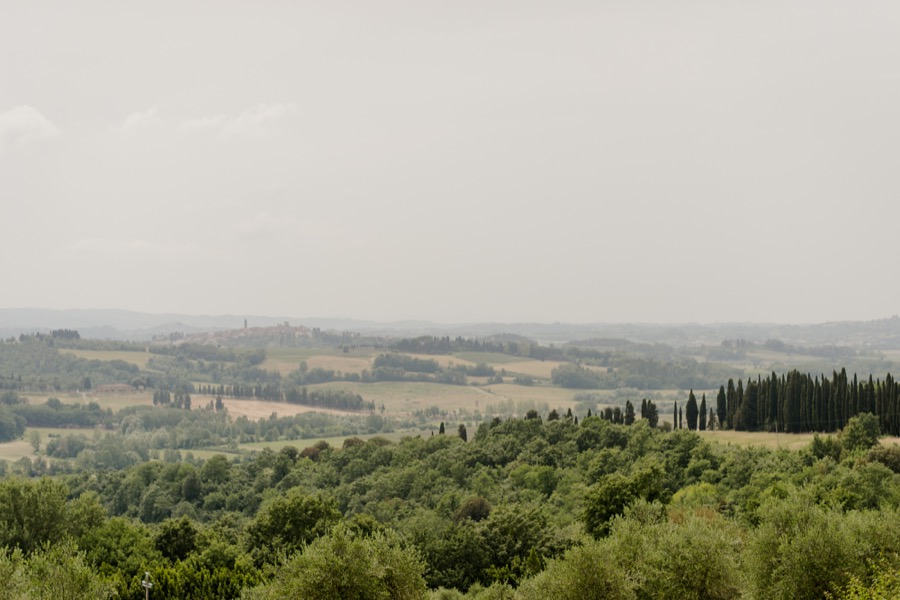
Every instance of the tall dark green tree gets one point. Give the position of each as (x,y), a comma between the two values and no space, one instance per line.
(629,412)
(701,417)
(730,405)
(721,405)
(652,414)
(692,411)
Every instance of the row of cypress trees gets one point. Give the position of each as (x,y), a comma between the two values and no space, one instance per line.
(796,402)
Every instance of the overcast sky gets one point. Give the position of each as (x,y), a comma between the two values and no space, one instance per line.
(454,161)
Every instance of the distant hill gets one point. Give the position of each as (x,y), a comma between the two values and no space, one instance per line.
(116,324)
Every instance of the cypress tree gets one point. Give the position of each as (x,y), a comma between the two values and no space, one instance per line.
(870,397)
(748,406)
(675,416)
(721,405)
(652,414)
(843,392)
(881,408)
(773,400)
(730,405)
(629,412)
(816,421)
(701,423)
(761,406)
(792,402)
(692,411)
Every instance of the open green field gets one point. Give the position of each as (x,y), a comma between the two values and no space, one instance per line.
(552,396)
(490,358)
(406,397)
(262,409)
(446,360)
(13,451)
(17,449)
(788,441)
(534,368)
(285,360)
(136,358)
(115,400)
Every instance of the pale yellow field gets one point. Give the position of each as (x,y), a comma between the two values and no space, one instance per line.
(113,400)
(285,360)
(262,409)
(535,368)
(402,397)
(788,441)
(491,358)
(447,360)
(554,397)
(13,451)
(136,358)
(792,441)
(17,449)
(346,364)
(407,397)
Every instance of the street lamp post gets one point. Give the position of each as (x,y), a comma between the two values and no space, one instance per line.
(146,583)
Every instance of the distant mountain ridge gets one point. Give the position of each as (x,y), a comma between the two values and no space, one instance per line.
(117,324)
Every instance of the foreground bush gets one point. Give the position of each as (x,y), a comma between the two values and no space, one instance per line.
(648,554)
(346,566)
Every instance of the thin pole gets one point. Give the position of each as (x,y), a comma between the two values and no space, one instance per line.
(147,585)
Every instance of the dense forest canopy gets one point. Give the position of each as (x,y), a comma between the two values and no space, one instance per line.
(510,514)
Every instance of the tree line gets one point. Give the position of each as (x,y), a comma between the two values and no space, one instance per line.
(796,402)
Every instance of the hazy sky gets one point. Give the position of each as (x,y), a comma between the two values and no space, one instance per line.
(456,161)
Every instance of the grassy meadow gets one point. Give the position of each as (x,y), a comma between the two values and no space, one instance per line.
(135,358)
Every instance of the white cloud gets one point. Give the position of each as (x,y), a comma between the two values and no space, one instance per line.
(24,124)
(203,123)
(140,121)
(259,121)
